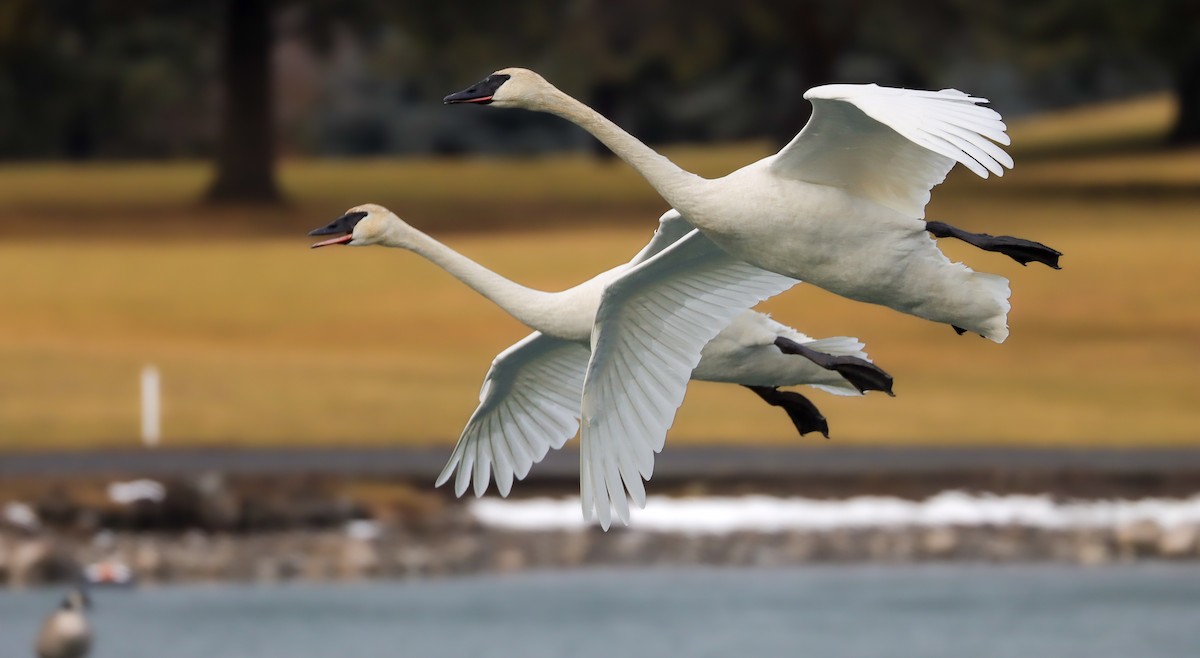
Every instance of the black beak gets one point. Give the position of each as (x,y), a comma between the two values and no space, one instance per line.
(342,226)
(481,92)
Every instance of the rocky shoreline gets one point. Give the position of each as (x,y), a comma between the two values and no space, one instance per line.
(217,528)
(468,548)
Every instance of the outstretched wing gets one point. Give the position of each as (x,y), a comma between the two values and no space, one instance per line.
(530,399)
(652,324)
(893,145)
(529,404)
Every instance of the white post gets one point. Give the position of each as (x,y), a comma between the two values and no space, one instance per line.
(151,416)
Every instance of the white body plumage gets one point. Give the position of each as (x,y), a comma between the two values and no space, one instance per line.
(848,245)
(841,207)
(530,401)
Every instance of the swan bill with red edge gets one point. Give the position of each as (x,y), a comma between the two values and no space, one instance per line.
(342,227)
(481,92)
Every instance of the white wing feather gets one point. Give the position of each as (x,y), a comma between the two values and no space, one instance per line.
(893,145)
(529,403)
(652,324)
(530,399)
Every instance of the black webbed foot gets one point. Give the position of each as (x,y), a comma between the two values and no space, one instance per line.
(1022,251)
(804,414)
(958,330)
(862,374)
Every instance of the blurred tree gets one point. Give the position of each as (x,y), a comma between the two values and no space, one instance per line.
(741,66)
(245,149)
(138,78)
(801,42)
(1089,38)
(133,78)
(246,142)
(1169,31)
(109,79)
(691,69)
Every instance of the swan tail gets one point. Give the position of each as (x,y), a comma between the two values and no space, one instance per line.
(995,291)
(846,389)
(839,346)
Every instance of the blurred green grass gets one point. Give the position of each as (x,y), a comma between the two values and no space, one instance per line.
(263,341)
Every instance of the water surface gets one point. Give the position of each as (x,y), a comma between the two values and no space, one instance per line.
(1148,611)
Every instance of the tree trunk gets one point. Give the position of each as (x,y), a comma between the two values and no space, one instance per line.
(245,157)
(1186,131)
(820,43)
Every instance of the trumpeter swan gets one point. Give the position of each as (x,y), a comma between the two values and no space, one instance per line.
(531,396)
(66,632)
(841,207)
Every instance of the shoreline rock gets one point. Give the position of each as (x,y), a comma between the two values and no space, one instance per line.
(217,529)
(397,553)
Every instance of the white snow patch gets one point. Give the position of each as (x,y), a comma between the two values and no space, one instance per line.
(20,515)
(363,529)
(771,514)
(126,493)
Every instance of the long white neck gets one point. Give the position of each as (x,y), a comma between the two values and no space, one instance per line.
(534,308)
(674,184)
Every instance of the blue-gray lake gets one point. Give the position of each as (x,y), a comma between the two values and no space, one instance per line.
(896,611)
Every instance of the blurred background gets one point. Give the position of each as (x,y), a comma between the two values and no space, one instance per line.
(161,162)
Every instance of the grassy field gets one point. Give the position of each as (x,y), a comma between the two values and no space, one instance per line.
(263,341)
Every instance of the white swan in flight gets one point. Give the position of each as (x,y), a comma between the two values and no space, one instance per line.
(841,207)
(531,397)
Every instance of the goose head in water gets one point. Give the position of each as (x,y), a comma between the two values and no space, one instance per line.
(66,632)
(77,600)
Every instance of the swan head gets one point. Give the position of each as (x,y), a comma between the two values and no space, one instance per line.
(511,87)
(360,226)
(76,600)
